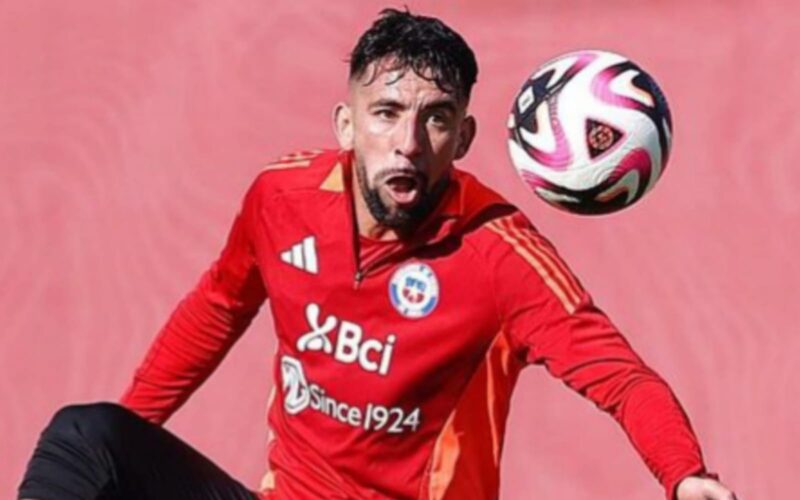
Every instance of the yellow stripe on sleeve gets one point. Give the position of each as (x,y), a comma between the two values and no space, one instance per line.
(544,271)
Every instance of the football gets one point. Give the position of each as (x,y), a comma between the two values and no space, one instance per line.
(590,132)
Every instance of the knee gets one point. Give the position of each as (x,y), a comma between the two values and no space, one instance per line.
(92,421)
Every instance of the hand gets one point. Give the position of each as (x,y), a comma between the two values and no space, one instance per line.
(703,488)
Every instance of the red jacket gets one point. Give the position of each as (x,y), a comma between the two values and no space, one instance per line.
(396,361)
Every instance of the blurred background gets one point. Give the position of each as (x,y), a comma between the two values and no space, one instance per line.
(129,131)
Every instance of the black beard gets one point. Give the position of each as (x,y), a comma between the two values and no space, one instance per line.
(401,219)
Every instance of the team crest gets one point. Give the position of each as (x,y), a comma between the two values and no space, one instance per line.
(414,290)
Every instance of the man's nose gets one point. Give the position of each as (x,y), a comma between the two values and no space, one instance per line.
(411,138)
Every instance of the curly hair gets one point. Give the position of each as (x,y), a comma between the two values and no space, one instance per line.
(423,44)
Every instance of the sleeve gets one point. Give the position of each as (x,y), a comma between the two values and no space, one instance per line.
(203,327)
(551,320)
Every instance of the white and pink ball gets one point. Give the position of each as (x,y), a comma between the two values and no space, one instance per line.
(590,132)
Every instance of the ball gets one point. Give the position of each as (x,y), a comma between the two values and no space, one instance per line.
(590,132)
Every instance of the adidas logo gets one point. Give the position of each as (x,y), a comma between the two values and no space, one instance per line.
(302,255)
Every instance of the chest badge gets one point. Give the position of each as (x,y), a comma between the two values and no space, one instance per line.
(414,290)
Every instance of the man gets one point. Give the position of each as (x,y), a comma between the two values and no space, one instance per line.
(406,296)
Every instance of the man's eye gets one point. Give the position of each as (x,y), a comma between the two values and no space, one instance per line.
(438,119)
(386,113)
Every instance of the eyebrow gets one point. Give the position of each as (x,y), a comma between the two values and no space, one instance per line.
(445,104)
(387,102)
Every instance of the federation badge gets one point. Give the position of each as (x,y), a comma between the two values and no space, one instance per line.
(414,290)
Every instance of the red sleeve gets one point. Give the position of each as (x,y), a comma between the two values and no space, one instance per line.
(551,320)
(203,327)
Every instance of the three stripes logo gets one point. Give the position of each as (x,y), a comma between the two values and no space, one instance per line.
(303,255)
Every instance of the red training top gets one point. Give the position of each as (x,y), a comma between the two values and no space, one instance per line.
(396,361)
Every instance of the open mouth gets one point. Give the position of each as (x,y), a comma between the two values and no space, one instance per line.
(404,188)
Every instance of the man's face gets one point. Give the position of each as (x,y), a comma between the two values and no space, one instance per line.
(405,133)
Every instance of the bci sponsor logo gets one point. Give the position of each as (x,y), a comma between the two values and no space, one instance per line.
(349,345)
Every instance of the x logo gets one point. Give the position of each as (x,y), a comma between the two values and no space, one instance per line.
(317,339)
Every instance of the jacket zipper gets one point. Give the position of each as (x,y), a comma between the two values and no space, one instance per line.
(358,278)
(362,273)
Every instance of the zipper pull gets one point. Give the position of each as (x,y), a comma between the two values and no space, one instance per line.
(358,277)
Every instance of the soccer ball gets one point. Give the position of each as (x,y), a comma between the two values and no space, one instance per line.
(590,132)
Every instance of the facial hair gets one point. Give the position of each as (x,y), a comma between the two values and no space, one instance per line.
(397,218)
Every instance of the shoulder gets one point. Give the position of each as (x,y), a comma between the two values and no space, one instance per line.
(488,215)
(518,256)
(512,233)
(300,170)
(502,229)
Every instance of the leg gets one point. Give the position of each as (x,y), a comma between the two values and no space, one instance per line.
(104,451)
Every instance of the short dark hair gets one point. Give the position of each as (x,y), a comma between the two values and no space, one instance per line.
(423,44)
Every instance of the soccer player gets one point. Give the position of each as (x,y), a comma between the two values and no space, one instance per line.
(407,297)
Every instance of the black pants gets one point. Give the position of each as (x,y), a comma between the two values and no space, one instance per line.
(104,451)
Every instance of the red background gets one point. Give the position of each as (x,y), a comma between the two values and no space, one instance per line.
(130,130)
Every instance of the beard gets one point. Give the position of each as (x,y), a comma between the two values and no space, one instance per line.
(399,218)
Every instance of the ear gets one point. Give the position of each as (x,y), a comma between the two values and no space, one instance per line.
(343,125)
(465,136)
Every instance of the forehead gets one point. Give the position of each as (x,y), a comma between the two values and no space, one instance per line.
(383,79)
